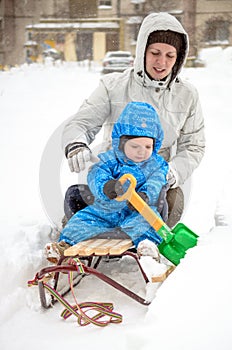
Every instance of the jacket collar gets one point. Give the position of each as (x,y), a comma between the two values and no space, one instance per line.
(157,84)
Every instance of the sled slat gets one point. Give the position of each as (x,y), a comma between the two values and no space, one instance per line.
(99,247)
(121,247)
(104,248)
(74,250)
(90,246)
(85,248)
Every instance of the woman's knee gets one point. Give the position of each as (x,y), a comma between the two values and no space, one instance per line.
(175,200)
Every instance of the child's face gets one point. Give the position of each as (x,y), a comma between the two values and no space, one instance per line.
(139,149)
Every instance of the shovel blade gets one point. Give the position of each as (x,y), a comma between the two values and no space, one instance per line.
(183,239)
(184,236)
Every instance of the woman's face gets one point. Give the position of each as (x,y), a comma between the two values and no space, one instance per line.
(139,149)
(159,60)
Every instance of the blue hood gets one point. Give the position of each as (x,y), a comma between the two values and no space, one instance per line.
(137,119)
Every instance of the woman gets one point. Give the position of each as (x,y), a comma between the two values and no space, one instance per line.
(162,48)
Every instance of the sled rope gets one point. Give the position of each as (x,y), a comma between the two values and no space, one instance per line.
(86,312)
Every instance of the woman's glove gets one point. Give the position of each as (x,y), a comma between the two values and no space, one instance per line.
(143,196)
(78,153)
(112,189)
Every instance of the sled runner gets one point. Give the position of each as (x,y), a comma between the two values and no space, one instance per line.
(84,259)
(89,254)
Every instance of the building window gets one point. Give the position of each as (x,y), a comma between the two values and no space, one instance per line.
(104,3)
(217,31)
(82,8)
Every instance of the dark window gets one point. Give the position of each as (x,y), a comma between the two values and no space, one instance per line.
(217,30)
(84,47)
(82,8)
(105,3)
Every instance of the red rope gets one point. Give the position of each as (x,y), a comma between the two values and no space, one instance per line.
(99,314)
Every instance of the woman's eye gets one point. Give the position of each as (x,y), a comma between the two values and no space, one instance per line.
(170,56)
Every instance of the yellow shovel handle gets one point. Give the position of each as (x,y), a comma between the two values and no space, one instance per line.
(127,195)
(138,203)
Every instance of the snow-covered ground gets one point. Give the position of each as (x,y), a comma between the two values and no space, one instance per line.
(192,309)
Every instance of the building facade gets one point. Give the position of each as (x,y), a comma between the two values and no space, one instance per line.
(14,16)
(77,32)
(86,29)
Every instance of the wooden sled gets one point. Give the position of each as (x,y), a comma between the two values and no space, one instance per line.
(90,254)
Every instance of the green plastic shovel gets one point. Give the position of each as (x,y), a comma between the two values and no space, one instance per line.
(176,241)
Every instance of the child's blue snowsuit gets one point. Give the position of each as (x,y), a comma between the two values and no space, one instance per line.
(137,119)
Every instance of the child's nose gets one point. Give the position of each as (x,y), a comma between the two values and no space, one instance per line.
(142,149)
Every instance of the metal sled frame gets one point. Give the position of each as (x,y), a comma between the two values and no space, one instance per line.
(89,268)
(88,255)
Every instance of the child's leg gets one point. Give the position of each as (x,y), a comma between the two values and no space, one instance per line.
(86,224)
(138,229)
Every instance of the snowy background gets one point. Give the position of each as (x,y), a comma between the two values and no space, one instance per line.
(192,308)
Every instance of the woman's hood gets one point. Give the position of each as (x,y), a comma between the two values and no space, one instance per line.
(137,119)
(154,22)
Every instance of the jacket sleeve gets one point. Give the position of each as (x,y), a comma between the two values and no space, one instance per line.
(156,179)
(98,175)
(190,144)
(87,122)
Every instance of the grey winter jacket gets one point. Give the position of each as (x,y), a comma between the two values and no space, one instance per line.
(175,100)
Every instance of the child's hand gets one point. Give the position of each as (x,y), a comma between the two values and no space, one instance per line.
(113,188)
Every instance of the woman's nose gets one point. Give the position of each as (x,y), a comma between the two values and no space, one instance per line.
(161,59)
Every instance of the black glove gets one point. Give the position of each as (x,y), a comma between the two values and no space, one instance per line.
(113,188)
(143,196)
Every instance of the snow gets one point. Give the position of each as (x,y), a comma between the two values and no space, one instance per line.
(192,309)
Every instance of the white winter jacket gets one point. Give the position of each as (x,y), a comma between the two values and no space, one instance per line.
(175,100)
